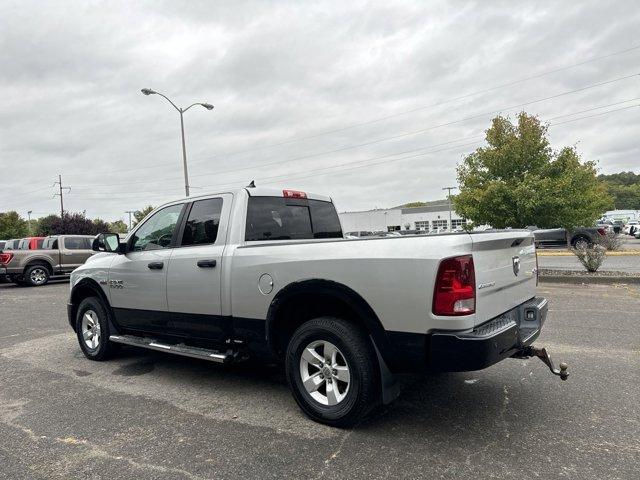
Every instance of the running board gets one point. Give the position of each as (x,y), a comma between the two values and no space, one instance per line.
(179,349)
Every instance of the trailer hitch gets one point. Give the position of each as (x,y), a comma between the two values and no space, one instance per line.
(543,355)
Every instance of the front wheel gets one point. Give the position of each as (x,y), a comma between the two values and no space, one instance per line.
(332,371)
(92,330)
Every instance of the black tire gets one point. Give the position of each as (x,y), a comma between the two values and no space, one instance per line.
(580,240)
(96,309)
(363,392)
(36,275)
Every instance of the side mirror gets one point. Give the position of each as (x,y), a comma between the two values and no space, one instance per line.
(106,242)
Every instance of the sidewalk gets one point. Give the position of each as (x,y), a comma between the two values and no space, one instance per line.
(627,263)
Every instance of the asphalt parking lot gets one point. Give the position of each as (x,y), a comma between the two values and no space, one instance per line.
(149,415)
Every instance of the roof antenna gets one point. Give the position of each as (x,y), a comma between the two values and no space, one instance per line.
(252,184)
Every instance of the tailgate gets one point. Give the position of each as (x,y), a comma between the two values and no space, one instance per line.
(505,269)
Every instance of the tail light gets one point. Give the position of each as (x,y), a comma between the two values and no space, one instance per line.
(5,258)
(455,289)
(293,194)
(601,231)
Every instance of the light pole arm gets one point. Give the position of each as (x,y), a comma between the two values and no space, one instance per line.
(168,100)
(197,103)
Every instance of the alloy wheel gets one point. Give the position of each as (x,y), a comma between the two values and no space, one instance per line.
(91,329)
(324,372)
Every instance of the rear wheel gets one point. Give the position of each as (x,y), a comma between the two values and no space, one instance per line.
(36,275)
(332,370)
(580,242)
(92,330)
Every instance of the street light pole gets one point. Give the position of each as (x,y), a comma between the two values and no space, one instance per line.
(184,155)
(208,106)
(29,215)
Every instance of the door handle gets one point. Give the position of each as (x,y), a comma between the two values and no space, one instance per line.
(206,263)
(155,265)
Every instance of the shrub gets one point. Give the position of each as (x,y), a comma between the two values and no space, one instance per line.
(591,257)
(611,241)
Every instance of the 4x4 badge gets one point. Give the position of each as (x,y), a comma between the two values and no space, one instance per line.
(516,265)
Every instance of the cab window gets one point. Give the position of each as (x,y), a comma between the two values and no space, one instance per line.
(77,243)
(157,231)
(277,218)
(202,223)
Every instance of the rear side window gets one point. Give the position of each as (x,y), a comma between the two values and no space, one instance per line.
(50,243)
(275,218)
(77,243)
(203,222)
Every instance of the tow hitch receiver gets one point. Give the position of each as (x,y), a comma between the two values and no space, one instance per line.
(543,355)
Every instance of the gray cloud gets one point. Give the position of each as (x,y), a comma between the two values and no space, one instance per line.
(280,71)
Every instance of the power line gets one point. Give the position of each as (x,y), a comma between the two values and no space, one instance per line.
(406,112)
(385,139)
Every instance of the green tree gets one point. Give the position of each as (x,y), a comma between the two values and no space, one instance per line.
(118,227)
(12,225)
(140,214)
(519,180)
(44,226)
(624,187)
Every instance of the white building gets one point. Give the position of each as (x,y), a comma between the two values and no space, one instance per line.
(429,218)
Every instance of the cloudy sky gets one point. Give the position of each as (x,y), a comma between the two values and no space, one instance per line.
(371,103)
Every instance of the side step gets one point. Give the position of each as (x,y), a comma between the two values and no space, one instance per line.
(179,349)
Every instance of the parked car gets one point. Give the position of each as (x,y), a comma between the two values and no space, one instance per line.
(559,237)
(630,227)
(30,243)
(359,234)
(59,255)
(2,243)
(267,273)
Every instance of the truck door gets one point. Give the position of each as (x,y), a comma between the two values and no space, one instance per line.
(194,276)
(138,279)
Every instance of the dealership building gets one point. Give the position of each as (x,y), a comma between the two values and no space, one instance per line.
(434,217)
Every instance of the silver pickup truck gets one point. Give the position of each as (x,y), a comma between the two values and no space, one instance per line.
(58,255)
(267,273)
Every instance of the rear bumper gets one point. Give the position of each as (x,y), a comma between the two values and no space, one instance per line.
(488,343)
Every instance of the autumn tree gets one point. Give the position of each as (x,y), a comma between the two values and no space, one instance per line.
(519,180)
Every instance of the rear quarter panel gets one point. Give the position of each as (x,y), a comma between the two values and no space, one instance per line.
(395,276)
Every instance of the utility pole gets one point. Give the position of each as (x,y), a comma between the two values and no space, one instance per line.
(449,198)
(29,215)
(130,212)
(61,188)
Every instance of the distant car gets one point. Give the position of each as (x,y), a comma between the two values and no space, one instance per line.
(637,233)
(30,243)
(559,237)
(2,242)
(631,227)
(359,234)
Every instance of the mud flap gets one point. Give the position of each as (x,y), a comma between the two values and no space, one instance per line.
(388,382)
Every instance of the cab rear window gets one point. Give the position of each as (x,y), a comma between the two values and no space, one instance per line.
(276,218)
